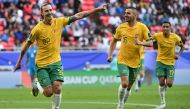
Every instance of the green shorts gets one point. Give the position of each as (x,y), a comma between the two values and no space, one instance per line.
(142,65)
(47,74)
(125,70)
(163,70)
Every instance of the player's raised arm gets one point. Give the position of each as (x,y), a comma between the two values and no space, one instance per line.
(22,53)
(84,14)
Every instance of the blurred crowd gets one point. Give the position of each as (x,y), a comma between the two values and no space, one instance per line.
(18,17)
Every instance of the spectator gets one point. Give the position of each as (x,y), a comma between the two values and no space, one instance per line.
(19,14)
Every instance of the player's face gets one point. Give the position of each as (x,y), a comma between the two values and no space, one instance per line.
(129,15)
(47,12)
(166,27)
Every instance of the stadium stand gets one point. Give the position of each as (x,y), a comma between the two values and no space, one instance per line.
(17,17)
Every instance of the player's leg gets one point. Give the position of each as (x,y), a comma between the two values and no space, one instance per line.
(170,75)
(123,73)
(32,74)
(162,91)
(140,77)
(56,76)
(142,74)
(121,91)
(44,80)
(137,82)
(57,87)
(161,74)
(36,87)
(133,72)
(35,90)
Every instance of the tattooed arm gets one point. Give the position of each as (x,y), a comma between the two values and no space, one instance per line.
(22,53)
(84,14)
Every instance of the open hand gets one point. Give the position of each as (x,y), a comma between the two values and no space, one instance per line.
(17,66)
(176,57)
(103,7)
(109,59)
(137,42)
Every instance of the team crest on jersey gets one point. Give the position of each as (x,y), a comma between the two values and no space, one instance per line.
(45,40)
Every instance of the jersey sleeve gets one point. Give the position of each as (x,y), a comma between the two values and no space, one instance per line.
(178,40)
(63,21)
(154,36)
(146,33)
(117,33)
(33,35)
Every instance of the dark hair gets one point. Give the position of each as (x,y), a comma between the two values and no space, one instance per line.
(41,7)
(166,22)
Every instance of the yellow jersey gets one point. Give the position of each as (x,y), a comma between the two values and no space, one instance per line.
(130,53)
(166,47)
(142,52)
(48,39)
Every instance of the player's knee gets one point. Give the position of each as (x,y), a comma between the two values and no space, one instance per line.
(162,83)
(57,87)
(48,94)
(169,85)
(124,85)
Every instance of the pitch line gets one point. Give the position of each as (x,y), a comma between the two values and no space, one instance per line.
(109,103)
(75,102)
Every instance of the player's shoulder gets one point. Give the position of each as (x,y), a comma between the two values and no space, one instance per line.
(61,18)
(158,34)
(122,25)
(141,24)
(175,36)
(37,26)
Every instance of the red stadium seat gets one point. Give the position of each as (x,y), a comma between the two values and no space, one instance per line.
(105,20)
(1,32)
(152,28)
(1,28)
(183,30)
(73,43)
(88,5)
(27,17)
(158,28)
(88,2)
(1,23)
(36,17)
(71,38)
(11,40)
(4,44)
(66,43)
(125,1)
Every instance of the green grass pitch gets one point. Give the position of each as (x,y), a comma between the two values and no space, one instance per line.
(96,97)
